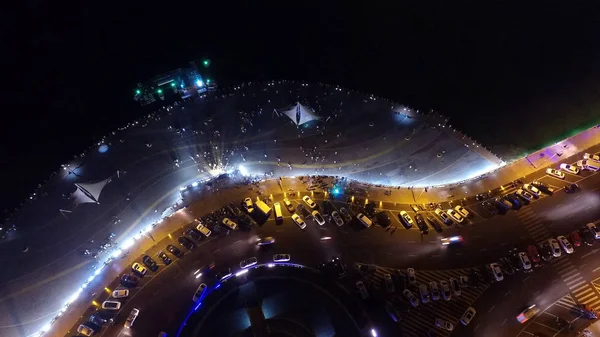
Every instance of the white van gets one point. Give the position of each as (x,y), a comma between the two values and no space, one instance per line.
(278,214)
(263,208)
(364,220)
(589,165)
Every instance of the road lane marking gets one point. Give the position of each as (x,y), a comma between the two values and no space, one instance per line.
(595,270)
(216,250)
(508,292)
(503,322)
(492,308)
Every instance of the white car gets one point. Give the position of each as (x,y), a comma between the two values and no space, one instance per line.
(408,221)
(229,224)
(281,257)
(318,218)
(594,229)
(525,262)
(424,292)
(524,194)
(139,269)
(463,211)
(444,324)
(111,305)
(362,290)
(435,291)
(532,190)
(204,230)
(120,293)
(337,218)
(364,220)
(555,247)
(555,173)
(85,330)
(569,168)
(414,301)
(446,294)
(199,292)
(248,263)
(248,205)
(467,317)
(309,201)
(412,277)
(298,221)
(455,215)
(455,286)
(593,157)
(133,314)
(389,283)
(565,244)
(496,271)
(447,220)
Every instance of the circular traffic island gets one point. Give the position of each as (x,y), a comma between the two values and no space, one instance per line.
(275,300)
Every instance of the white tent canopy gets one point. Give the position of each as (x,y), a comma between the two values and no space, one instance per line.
(299,114)
(87,193)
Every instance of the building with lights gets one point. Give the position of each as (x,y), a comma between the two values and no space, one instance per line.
(173,85)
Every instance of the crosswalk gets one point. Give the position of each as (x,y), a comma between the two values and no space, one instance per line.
(422,318)
(581,291)
(534,226)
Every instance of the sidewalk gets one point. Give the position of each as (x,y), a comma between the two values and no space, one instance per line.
(206,201)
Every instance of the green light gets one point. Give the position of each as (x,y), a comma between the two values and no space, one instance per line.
(137,92)
(159,91)
(206,63)
(172,84)
(208,80)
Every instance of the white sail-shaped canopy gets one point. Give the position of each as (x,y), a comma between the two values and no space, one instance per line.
(90,192)
(299,114)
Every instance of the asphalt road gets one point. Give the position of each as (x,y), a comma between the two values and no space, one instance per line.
(485,240)
(36,284)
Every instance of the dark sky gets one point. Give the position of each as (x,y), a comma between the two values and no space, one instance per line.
(500,71)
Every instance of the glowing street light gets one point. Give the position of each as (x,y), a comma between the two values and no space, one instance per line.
(206,62)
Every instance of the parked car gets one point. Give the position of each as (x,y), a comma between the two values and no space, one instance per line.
(532,190)
(337,218)
(467,317)
(444,324)
(555,173)
(412,299)
(405,219)
(421,223)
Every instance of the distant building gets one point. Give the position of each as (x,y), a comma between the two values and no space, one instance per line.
(176,84)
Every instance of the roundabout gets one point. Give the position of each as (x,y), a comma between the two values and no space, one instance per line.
(139,191)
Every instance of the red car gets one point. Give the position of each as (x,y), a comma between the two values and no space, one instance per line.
(576,239)
(534,254)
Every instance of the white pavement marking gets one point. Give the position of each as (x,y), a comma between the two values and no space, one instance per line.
(477,326)
(525,279)
(549,314)
(217,250)
(577,284)
(595,270)
(410,241)
(537,292)
(492,308)
(503,322)
(508,292)
(544,325)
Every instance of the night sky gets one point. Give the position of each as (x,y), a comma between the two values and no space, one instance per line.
(511,76)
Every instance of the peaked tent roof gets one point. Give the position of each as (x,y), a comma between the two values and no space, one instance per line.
(90,192)
(299,114)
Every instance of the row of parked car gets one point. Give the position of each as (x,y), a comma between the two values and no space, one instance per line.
(433,291)
(533,256)
(523,196)
(590,162)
